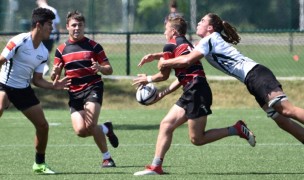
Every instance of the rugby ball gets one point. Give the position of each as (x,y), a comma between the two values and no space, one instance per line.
(146,94)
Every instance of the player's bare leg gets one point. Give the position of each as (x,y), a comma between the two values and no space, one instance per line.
(4,102)
(36,116)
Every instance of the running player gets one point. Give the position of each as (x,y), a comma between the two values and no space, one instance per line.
(23,60)
(83,59)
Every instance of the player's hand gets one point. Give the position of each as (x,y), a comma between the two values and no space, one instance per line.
(57,68)
(63,83)
(56,71)
(140,80)
(95,66)
(147,58)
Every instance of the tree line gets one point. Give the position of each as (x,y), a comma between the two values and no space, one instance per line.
(148,15)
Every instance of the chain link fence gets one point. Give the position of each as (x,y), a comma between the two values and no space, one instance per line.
(280,51)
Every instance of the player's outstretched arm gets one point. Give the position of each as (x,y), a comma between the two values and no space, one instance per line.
(180,61)
(39,81)
(149,58)
(161,94)
(173,86)
(143,79)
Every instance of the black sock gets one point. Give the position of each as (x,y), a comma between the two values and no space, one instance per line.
(39,158)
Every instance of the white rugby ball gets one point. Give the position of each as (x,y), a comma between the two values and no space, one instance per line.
(146,94)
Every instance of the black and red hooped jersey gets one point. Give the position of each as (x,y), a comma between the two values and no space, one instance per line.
(76,59)
(180,46)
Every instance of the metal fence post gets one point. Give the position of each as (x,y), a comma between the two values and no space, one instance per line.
(128,53)
(290,41)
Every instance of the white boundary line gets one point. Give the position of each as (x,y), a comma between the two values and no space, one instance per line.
(143,145)
(220,78)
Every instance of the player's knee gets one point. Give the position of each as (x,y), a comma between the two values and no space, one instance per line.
(91,127)
(42,126)
(166,127)
(287,112)
(197,141)
(81,133)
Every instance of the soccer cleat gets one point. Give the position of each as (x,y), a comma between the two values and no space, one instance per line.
(150,170)
(108,163)
(244,132)
(111,135)
(42,169)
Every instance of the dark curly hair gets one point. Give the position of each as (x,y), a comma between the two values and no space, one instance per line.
(41,15)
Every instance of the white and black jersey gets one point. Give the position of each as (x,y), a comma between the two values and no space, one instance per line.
(224,56)
(22,60)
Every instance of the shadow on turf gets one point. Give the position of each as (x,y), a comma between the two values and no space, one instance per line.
(136,127)
(66,173)
(70,173)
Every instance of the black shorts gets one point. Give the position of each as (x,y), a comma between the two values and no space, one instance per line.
(260,81)
(22,99)
(196,99)
(78,99)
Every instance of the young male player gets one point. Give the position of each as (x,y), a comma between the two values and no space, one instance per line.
(83,59)
(23,60)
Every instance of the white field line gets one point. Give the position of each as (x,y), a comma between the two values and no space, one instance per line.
(220,78)
(143,145)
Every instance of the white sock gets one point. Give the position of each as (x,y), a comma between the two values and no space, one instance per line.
(106,155)
(157,161)
(104,128)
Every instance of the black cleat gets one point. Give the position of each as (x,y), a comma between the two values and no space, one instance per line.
(111,135)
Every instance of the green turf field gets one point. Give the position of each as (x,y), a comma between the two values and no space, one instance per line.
(276,156)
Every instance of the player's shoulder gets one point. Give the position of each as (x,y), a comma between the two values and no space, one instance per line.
(61,47)
(92,42)
(170,45)
(21,38)
(209,41)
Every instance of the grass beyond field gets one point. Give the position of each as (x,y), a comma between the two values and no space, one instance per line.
(276,156)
